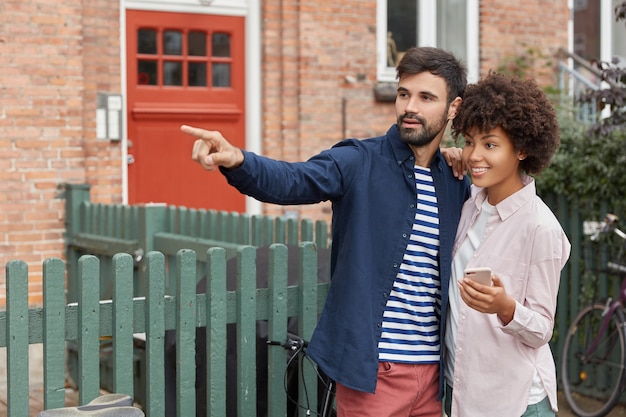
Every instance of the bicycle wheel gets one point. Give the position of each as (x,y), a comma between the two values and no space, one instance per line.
(592,379)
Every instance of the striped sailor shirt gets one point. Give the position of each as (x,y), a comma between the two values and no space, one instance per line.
(410,332)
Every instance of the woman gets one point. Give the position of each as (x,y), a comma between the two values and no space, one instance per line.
(498,361)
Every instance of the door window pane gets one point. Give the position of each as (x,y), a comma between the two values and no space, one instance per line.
(172,73)
(197,74)
(147,41)
(196,44)
(221,74)
(172,42)
(221,45)
(147,72)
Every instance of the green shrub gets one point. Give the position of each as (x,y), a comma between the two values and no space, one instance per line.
(587,167)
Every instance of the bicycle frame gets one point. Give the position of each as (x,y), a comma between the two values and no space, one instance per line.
(610,308)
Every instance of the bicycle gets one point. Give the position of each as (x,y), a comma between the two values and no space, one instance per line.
(594,352)
(297,346)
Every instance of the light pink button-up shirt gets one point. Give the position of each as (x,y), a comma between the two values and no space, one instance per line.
(526,248)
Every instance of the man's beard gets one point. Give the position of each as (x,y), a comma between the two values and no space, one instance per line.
(424,137)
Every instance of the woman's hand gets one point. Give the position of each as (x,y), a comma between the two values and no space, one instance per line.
(490,299)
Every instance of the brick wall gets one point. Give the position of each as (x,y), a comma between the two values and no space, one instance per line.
(532,30)
(56,56)
(310,47)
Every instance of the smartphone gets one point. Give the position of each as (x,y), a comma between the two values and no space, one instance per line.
(481,275)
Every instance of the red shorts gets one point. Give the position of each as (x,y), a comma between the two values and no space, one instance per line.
(402,390)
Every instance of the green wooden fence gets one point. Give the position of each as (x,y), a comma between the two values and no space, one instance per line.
(131,273)
(133,270)
(167,228)
(91,319)
(104,230)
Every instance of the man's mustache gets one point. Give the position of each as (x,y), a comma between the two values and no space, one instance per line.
(413,116)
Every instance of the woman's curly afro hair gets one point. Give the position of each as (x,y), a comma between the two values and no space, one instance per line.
(517,106)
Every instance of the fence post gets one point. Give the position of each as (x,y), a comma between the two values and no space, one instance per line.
(152,218)
(123,324)
(17,338)
(307,316)
(54,333)
(155,334)
(75,196)
(186,333)
(216,336)
(246,332)
(321,234)
(88,328)
(277,329)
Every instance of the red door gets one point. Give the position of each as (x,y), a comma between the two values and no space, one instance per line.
(182,69)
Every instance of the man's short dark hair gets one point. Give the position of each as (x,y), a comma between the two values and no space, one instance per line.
(438,62)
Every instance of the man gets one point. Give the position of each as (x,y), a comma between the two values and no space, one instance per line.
(378,336)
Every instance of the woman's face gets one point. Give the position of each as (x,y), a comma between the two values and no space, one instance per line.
(493,163)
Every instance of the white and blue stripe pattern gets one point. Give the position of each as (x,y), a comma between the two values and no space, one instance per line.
(410,331)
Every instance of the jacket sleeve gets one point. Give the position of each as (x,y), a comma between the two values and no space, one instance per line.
(322,177)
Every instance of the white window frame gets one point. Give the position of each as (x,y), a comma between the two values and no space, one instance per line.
(427,27)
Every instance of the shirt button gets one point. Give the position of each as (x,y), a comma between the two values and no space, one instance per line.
(395,264)
(412,205)
(410,175)
(403,234)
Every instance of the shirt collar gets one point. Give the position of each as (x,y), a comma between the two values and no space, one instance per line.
(512,203)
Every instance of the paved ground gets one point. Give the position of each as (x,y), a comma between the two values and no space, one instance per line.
(36,382)
(564,410)
(36,388)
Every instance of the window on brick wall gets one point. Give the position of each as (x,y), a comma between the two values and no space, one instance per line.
(448,24)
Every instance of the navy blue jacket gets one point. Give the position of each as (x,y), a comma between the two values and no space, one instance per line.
(371,186)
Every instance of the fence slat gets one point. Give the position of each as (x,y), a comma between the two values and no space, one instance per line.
(89,328)
(277,330)
(216,333)
(155,334)
(246,331)
(307,313)
(186,334)
(54,333)
(17,335)
(123,324)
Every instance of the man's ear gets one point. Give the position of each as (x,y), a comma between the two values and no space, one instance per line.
(454,108)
